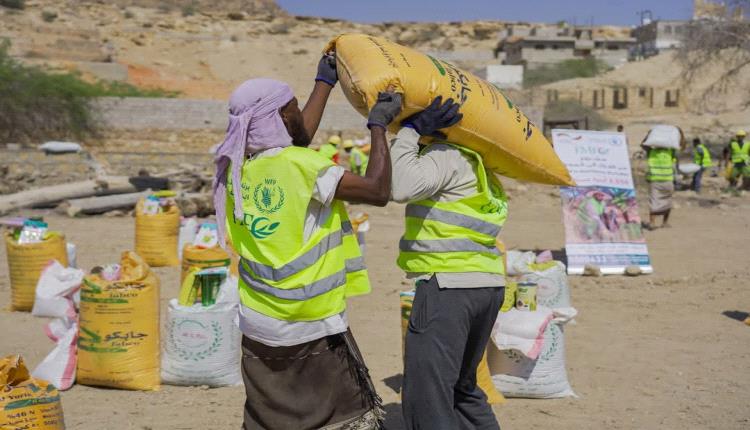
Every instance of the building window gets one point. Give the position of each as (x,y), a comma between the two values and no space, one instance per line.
(612,47)
(641,91)
(598,102)
(554,46)
(552,96)
(672,98)
(539,46)
(667,29)
(620,98)
(678,29)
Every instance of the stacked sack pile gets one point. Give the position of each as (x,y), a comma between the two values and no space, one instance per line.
(526,355)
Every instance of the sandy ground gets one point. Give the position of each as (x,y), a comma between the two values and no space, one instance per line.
(652,352)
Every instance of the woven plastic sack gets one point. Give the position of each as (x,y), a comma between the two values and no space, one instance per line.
(202,344)
(516,375)
(664,136)
(25,265)
(118,344)
(484,380)
(193,256)
(59,366)
(551,280)
(27,402)
(157,236)
(492,124)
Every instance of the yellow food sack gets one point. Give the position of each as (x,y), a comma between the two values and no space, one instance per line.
(118,342)
(25,264)
(492,124)
(157,236)
(27,402)
(193,256)
(484,380)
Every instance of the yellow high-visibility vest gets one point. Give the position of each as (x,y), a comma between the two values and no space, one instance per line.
(282,275)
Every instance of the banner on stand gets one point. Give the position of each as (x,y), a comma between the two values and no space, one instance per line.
(600,214)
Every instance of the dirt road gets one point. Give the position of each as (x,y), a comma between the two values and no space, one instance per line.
(652,352)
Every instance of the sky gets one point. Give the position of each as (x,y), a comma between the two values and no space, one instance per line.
(616,12)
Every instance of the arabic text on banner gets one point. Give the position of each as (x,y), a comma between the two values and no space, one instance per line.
(600,214)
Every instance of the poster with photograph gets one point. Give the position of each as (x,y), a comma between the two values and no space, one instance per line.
(600,214)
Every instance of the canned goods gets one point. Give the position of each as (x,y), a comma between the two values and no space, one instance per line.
(526,296)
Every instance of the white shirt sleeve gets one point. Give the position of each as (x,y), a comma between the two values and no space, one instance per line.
(326,184)
(415,176)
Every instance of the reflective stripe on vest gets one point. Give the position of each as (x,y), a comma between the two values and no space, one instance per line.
(447,217)
(740,154)
(660,165)
(702,157)
(456,236)
(301,263)
(446,245)
(305,260)
(307,292)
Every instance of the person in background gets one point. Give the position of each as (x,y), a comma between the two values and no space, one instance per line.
(701,157)
(330,149)
(455,211)
(357,158)
(620,128)
(281,206)
(661,178)
(738,152)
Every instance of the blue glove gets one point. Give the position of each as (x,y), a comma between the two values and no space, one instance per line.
(385,110)
(435,117)
(327,69)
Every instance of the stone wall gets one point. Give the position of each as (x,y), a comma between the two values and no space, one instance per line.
(186,114)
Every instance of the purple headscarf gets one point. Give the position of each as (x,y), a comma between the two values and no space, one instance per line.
(254,125)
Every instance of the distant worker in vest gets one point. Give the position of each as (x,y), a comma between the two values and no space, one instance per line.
(661,177)
(357,158)
(738,153)
(455,211)
(281,206)
(701,157)
(330,149)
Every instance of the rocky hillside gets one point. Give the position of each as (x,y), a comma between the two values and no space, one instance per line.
(251,7)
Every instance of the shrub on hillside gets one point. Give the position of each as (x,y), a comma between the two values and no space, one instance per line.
(37,105)
(568,69)
(13,4)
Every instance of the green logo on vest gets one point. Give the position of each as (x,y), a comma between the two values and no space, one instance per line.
(262,227)
(268,196)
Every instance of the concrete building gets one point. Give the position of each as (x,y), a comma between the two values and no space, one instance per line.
(549,45)
(505,76)
(653,37)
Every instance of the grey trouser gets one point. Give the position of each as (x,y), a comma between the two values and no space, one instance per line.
(447,336)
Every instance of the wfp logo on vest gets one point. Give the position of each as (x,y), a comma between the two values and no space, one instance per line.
(268,198)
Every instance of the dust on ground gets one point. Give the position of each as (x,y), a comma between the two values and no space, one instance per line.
(649,352)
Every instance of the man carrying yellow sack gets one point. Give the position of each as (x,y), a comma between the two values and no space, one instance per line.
(455,211)
(281,206)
